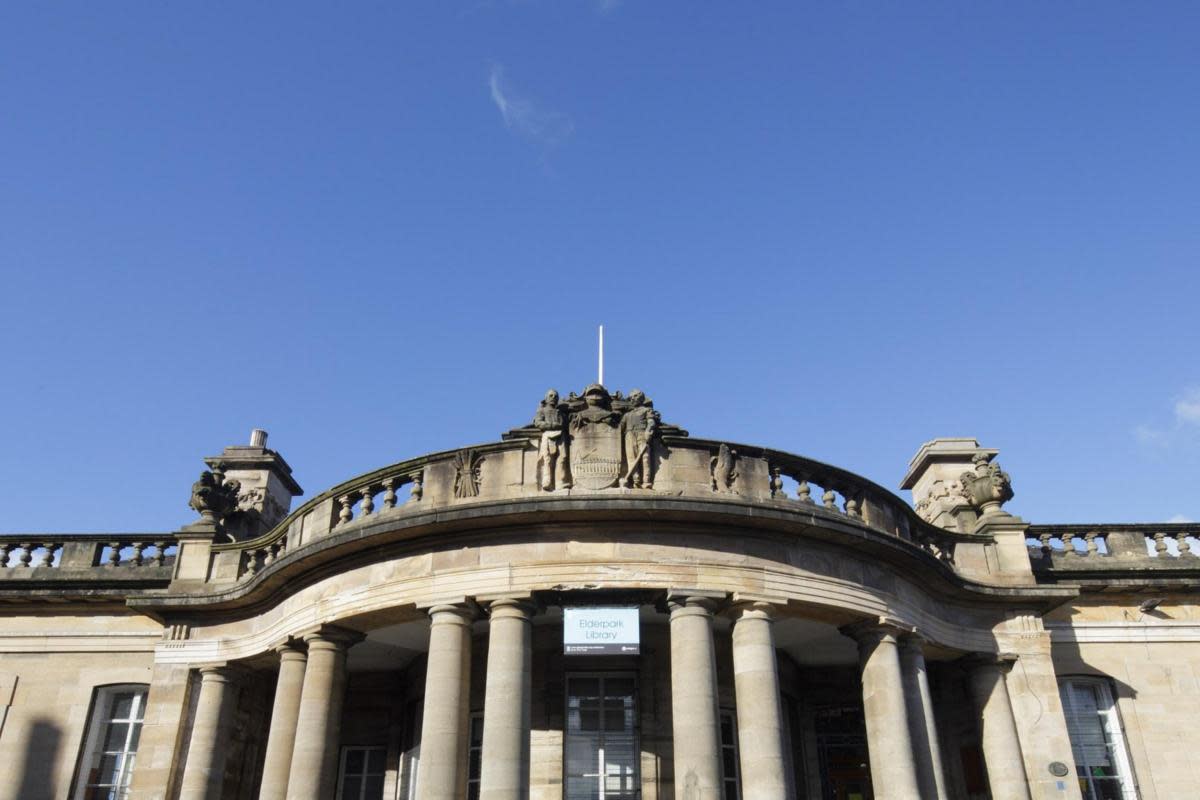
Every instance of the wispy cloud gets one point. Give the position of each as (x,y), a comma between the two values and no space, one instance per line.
(1186,422)
(524,116)
(1180,518)
(1187,407)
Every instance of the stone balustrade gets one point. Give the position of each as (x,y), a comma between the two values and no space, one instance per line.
(88,561)
(1071,549)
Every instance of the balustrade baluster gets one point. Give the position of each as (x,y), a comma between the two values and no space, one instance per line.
(1184,545)
(252,562)
(5,547)
(803,492)
(1068,540)
(346,514)
(368,502)
(776,483)
(160,553)
(26,554)
(114,554)
(1092,547)
(418,488)
(48,556)
(1047,547)
(269,555)
(829,499)
(136,559)
(389,495)
(1160,543)
(852,509)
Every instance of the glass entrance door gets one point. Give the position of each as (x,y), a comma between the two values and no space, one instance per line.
(601,738)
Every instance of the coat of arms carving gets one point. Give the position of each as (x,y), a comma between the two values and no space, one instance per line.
(596,441)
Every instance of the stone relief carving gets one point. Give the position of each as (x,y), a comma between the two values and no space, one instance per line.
(213,497)
(595,440)
(988,487)
(466,473)
(724,469)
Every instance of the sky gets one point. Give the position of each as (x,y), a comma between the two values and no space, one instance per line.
(383,229)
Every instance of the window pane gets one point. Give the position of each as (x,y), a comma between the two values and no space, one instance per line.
(135,737)
(122,705)
(352,787)
(115,736)
(110,766)
(354,762)
(375,762)
(373,788)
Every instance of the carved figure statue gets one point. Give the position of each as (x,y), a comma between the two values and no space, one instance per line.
(214,499)
(724,469)
(553,456)
(638,427)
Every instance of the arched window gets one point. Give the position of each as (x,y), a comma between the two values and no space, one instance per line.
(110,742)
(1097,740)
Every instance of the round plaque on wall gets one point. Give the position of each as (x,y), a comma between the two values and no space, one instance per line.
(1058,769)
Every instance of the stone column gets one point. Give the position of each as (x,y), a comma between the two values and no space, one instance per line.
(922,728)
(313,771)
(506,705)
(893,771)
(695,725)
(998,727)
(284,714)
(759,713)
(442,775)
(204,771)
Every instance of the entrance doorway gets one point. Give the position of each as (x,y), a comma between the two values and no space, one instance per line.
(602,749)
(842,753)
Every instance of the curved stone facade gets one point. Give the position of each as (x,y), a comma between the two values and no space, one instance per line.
(801,631)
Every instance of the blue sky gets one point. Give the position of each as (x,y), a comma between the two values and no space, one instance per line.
(380,229)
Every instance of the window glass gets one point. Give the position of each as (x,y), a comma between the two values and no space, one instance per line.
(729,757)
(1097,742)
(361,773)
(475,757)
(110,743)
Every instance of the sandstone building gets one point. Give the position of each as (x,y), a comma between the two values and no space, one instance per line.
(601,607)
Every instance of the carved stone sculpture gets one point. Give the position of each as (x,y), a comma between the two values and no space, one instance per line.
(639,425)
(988,487)
(595,443)
(553,455)
(724,469)
(214,498)
(466,473)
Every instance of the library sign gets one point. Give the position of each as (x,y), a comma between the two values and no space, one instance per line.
(601,631)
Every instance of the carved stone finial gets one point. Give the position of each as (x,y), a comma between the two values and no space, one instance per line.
(466,473)
(988,487)
(214,498)
(724,469)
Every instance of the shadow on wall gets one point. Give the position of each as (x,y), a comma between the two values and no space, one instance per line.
(39,761)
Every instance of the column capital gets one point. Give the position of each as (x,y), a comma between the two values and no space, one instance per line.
(219,673)
(511,608)
(331,637)
(913,642)
(290,650)
(753,609)
(689,602)
(873,631)
(453,614)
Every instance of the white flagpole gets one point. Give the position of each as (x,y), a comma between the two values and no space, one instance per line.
(601,381)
